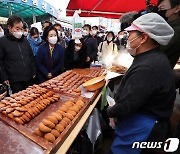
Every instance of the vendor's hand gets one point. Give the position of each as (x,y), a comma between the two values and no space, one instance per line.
(88,59)
(49,75)
(7,82)
(3,95)
(112,122)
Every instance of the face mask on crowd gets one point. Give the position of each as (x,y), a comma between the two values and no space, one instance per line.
(77,48)
(36,39)
(85,32)
(121,36)
(162,13)
(131,50)
(59,33)
(17,35)
(25,33)
(93,32)
(1,33)
(109,38)
(52,40)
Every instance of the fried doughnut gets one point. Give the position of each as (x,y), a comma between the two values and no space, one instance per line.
(73,113)
(59,128)
(63,108)
(52,119)
(74,108)
(11,115)
(48,123)
(57,116)
(77,90)
(17,113)
(26,118)
(38,132)
(67,120)
(57,96)
(69,116)
(9,110)
(64,123)
(18,120)
(55,133)
(22,109)
(51,99)
(60,112)
(78,106)
(50,137)
(28,115)
(44,128)
(80,103)
(31,113)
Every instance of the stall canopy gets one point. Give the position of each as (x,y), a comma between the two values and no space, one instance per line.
(106,8)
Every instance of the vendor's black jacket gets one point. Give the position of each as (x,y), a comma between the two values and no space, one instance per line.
(16,59)
(70,62)
(147,87)
(92,47)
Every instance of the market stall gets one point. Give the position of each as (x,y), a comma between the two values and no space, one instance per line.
(47,117)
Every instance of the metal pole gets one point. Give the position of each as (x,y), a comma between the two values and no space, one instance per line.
(34,17)
(9,9)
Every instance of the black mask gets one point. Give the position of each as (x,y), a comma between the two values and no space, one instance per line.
(162,13)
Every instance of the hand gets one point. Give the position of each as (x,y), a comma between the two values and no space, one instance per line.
(49,75)
(7,82)
(88,59)
(112,122)
(3,95)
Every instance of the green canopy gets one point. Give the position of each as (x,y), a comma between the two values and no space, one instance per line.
(25,11)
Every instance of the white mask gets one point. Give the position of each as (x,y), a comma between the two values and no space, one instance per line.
(17,35)
(36,39)
(1,33)
(109,38)
(84,32)
(59,33)
(53,40)
(94,32)
(121,36)
(77,48)
(25,33)
(131,50)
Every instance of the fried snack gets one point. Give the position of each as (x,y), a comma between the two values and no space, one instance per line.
(60,112)
(73,113)
(22,109)
(11,115)
(52,119)
(67,120)
(26,118)
(80,103)
(18,120)
(64,123)
(50,137)
(75,108)
(57,116)
(69,116)
(59,128)
(55,133)
(48,123)
(17,113)
(38,132)
(9,110)
(44,128)
(77,90)
(63,108)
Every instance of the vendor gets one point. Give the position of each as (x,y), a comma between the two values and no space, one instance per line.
(144,99)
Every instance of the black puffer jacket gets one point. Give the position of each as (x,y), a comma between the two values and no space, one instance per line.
(16,59)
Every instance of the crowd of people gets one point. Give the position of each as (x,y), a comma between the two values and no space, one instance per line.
(144,99)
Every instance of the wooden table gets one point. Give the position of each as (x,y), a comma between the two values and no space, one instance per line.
(72,136)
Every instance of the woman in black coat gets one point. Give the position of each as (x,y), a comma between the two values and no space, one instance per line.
(75,55)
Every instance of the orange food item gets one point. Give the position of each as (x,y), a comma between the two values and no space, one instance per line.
(52,119)
(48,123)
(44,128)
(59,128)
(38,132)
(50,137)
(55,133)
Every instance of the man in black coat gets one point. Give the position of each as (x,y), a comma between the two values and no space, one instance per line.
(91,44)
(16,57)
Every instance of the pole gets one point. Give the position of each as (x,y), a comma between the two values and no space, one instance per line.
(34,17)
(9,9)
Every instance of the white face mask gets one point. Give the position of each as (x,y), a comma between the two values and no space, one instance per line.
(59,33)
(53,40)
(131,50)
(93,32)
(1,34)
(77,48)
(121,36)
(25,33)
(17,35)
(84,32)
(109,38)
(36,39)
